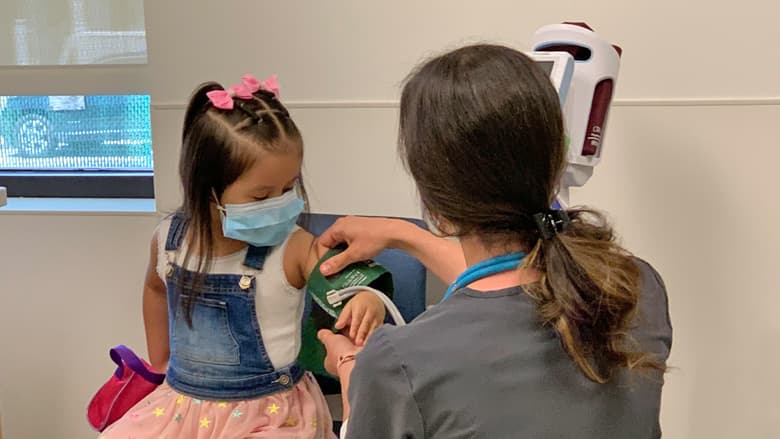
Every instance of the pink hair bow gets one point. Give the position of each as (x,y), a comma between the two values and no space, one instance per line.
(221,99)
(253,84)
(241,91)
(272,84)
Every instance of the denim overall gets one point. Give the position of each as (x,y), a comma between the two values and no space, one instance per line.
(222,356)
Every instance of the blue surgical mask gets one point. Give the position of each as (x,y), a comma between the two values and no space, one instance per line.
(265,223)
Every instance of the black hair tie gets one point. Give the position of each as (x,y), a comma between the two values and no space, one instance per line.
(551,223)
(252,115)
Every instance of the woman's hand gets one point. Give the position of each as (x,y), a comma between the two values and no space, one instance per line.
(366,238)
(362,314)
(337,346)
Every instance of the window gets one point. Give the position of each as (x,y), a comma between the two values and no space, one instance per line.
(83,133)
(76,146)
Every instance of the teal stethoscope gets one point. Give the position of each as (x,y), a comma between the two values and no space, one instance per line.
(484,269)
(549,224)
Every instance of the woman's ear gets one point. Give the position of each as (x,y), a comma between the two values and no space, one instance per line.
(447,228)
(439,226)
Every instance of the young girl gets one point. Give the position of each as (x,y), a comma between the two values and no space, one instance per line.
(222,301)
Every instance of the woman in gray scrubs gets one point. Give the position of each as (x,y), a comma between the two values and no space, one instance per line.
(550,329)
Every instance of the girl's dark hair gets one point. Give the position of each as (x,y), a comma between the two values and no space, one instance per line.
(217,147)
(481,132)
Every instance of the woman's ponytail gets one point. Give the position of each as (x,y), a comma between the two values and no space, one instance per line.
(588,292)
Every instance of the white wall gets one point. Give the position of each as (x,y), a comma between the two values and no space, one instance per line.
(690,189)
(690,154)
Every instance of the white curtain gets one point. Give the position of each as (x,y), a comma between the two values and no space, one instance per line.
(66,32)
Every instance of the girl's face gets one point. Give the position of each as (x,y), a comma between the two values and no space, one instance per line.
(272,175)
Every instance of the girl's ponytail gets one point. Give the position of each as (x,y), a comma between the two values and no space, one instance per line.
(197,105)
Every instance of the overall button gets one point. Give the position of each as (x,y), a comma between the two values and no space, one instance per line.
(284,380)
(245,282)
(169,270)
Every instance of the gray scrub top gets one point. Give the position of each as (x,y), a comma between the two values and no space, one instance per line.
(480,365)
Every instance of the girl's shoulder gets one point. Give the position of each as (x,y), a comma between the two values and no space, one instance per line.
(163,226)
(301,255)
(160,233)
(299,241)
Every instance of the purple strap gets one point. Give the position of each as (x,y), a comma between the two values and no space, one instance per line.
(122,355)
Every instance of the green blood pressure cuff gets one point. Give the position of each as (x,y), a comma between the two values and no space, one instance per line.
(324,315)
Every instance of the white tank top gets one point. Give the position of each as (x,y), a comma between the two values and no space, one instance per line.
(279,305)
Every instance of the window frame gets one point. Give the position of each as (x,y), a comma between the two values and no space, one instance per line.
(78,184)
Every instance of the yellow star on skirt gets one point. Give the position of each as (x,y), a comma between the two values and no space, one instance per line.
(273,409)
(180,399)
(159,412)
(205,422)
(222,404)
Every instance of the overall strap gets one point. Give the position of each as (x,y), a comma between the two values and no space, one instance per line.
(176,232)
(255,257)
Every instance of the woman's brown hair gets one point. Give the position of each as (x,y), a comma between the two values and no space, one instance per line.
(481,132)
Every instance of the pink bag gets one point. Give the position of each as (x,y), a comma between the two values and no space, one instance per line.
(133,380)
